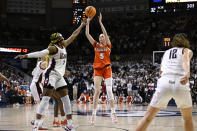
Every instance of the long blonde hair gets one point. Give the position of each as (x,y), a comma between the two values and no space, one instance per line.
(180,40)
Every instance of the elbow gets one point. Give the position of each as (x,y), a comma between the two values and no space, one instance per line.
(87,34)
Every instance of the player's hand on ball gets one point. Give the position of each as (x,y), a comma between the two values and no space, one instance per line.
(20,56)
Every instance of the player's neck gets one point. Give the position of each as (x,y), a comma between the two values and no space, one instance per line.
(102,44)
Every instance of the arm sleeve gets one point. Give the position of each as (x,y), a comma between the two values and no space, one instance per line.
(38,54)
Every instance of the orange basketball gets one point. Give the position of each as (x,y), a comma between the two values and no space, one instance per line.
(90,11)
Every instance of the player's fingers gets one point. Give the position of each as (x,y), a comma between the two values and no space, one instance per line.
(183,82)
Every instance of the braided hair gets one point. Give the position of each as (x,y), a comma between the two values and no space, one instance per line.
(56,38)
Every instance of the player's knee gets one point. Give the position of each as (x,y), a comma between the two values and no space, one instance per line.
(66,104)
(45,99)
(97,91)
(109,92)
(108,82)
(43,105)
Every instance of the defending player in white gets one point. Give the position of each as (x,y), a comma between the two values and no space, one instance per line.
(36,89)
(174,83)
(53,75)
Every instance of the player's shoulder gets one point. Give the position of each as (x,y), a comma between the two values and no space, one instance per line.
(52,49)
(96,44)
(187,50)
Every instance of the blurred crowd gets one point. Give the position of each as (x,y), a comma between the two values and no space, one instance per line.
(133,40)
(17,92)
(133,82)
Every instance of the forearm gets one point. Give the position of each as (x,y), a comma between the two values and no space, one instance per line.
(87,29)
(186,67)
(88,35)
(103,29)
(77,31)
(2,77)
(38,54)
(73,36)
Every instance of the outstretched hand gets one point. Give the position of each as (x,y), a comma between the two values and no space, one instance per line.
(100,18)
(20,56)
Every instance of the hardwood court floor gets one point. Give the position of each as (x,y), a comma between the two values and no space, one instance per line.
(19,118)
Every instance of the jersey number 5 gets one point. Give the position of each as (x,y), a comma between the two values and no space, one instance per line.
(173,54)
(101,56)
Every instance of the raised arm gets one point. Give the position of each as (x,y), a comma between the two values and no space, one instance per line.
(87,32)
(104,30)
(186,65)
(74,35)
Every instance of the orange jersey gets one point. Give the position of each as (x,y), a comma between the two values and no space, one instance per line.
(102,55)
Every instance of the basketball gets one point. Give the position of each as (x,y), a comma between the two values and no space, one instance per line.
(90,11)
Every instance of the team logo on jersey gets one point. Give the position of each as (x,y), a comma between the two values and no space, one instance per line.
(63,56)
(101,49)
(46,81)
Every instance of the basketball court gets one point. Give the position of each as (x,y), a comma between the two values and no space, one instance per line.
(18,118)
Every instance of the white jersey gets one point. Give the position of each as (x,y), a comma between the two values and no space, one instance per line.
(172,62)
(58,61)
(37,71)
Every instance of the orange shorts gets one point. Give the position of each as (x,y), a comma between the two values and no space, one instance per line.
(105,72)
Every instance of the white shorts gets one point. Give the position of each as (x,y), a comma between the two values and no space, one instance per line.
(36,90)
(169,87)
(53,79)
